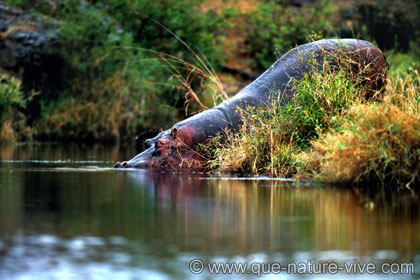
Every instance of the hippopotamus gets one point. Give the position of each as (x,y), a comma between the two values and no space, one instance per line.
(176,147)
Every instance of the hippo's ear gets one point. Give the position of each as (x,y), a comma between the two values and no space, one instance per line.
(174,131)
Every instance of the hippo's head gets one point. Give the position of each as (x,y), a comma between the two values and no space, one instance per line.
(171,148)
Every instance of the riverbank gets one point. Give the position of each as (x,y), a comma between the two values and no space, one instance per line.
(331,133)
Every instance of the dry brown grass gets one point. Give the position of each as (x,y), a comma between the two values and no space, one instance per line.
(271,138)
(7,133)
(335,130)
(379,144)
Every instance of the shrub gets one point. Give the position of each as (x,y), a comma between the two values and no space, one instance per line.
(11,95)
(149,22)
(274,28)
(332,133)
(11,100)
(393,24)
(378,145)
(114,79)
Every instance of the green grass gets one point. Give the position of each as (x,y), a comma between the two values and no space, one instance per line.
(271,137)
(125,67)
(379,144)
(402,62)
(332,131)
(11,99)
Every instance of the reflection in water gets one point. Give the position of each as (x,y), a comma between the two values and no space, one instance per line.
(59,221)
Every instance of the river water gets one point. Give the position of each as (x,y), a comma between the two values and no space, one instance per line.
(65,214)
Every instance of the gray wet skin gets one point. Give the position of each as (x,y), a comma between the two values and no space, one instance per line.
(140,160)
(273,83)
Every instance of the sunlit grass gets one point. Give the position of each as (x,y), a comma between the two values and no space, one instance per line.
(378,144)
(271,137)
(333,130)
(11,99)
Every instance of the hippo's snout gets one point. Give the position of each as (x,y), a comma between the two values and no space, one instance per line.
(142,160)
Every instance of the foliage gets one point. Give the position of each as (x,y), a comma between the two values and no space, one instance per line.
(330,132)
(275,28)
(124,67)
(392,24)
(115,75)
(402,63)
(11,95)
(149,22)
(378,145)
(11,100)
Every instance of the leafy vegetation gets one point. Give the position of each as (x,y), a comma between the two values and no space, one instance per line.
(332,133)
(379,143)
(123,68)
(115,61)
(392,24)
(11,95)
(275,28)
(11,99)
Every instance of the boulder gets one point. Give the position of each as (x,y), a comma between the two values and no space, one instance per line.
(24,39)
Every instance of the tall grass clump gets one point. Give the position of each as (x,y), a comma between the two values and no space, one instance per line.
(379,143)
(271,138)
(333,130)
(11,99)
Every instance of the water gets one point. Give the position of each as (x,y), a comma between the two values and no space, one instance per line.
(64,214)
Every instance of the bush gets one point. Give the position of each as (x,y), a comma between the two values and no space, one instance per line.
(378,145)
(275,28)
(11,96)
(330,132)
(392,24)
(11,100)
(149,23)
(114,79)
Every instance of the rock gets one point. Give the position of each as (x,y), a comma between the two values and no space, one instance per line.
(24,39)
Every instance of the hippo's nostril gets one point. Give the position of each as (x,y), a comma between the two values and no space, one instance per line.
(124,164)
(117,164)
